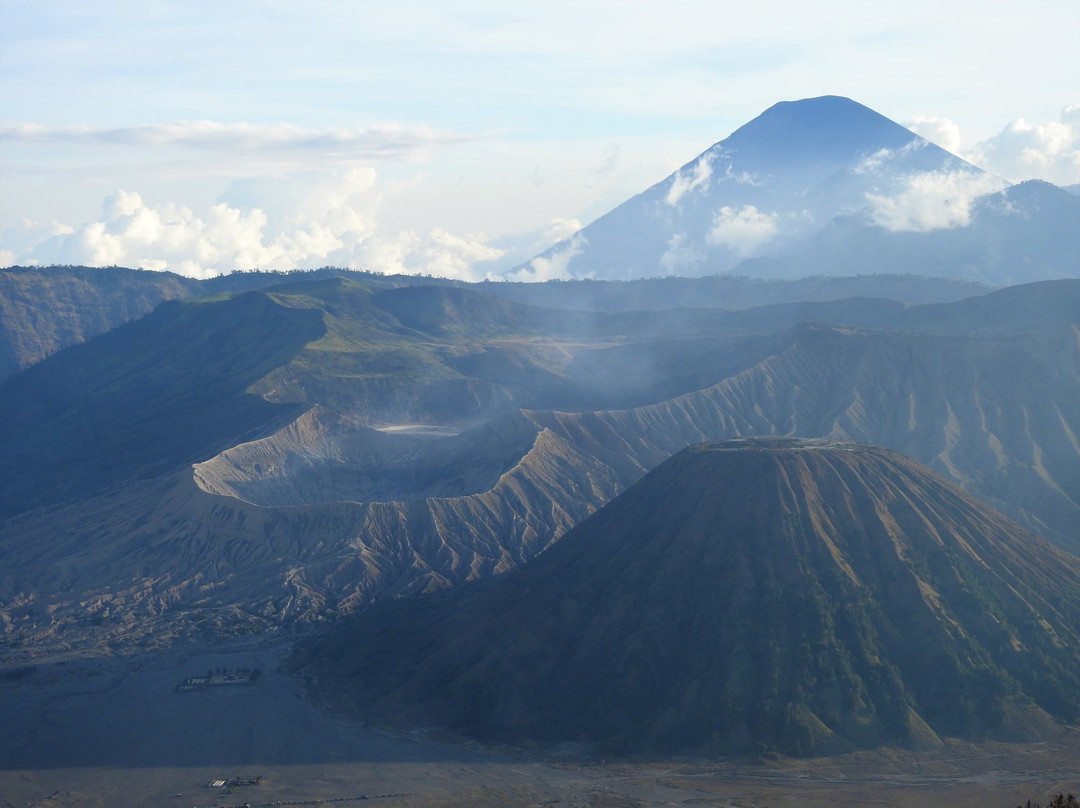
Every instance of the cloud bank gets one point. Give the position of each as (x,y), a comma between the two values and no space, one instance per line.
(1020,151)
(284,219)
(555,266)
(742,230)
(932,201)
(332,219)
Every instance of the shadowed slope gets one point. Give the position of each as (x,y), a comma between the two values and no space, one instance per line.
(44,310)
(169,388)
(799,595)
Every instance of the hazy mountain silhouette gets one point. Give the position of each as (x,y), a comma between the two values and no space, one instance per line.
(826,186)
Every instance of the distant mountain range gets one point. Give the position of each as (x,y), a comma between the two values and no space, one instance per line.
(826,186)
(797,596)
(44,309)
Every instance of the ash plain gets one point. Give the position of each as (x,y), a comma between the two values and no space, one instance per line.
(107,731)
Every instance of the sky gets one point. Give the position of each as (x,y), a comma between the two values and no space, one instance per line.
(462,138)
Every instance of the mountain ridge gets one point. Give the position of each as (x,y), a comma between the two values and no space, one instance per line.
(45,309)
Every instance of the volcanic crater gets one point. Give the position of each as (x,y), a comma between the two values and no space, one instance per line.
(325,457)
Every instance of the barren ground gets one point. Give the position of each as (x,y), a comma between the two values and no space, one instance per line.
(115,733)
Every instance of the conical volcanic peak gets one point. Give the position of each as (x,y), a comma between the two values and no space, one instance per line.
(770,186)
(806,596)
(829,128)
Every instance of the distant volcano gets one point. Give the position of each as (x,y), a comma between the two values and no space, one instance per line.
(803,596)
(825,186)
(821,136)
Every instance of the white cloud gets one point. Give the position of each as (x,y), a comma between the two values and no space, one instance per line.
(873,163)
(451,256)
(437,253)
(941,131)
(17,243)
(1020,151)
(932,200)
(742,230)
(512,250)
(1048,151)
(682,184)
(555,267)
(329,219)
(681,256)
(742,178)
(612,156)
(131,233)
(559,229)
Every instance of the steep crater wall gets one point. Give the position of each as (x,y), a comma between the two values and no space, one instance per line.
(325,457)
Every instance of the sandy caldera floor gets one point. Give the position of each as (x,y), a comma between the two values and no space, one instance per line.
(116,733)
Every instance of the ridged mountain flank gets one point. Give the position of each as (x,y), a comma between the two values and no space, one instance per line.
(799,595)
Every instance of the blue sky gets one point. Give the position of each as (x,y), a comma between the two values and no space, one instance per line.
(436,137)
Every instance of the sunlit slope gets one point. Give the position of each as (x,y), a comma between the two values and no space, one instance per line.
(745,596)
